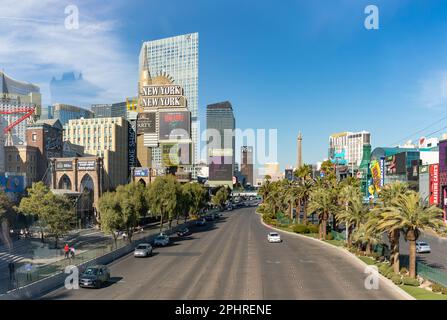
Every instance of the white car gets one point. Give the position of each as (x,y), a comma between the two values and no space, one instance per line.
(422,247)
(161,240)
(274,237)
(143,250)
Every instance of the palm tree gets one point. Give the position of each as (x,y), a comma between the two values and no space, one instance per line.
(304,190)
(353,214)
(409,214)
(321,202)
(348,194)
(366,237)
(387,194)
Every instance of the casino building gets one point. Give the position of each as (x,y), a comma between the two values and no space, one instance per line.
(164,142)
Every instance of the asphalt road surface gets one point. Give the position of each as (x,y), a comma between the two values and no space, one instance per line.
(437,258)
(231,259)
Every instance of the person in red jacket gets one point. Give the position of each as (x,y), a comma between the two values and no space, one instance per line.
(66,250)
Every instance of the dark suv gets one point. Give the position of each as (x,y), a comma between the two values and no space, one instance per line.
(94,276)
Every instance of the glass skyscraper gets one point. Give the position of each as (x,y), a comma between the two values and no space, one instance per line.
(178,57)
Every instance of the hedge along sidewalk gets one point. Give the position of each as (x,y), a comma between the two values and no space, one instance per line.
(353,257)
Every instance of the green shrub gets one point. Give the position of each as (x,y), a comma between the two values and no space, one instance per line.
(390,274)
(397,279)
(383,269)
(313,228)
(375,255)
(410,281)
(403,270)
(437,287)
(300,228)
(329,236)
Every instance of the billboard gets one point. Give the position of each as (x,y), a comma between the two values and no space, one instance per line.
(382,172)
(132,144)
(175,154)
(141,172)
(174,125)
(220,168)
(146,122)
(12,183)
(376,175)
(396,164)
(162,96)
(64,165)
(87,165)
(434,184)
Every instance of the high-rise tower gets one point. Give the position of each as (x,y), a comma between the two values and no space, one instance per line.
(299,157)
(177,57)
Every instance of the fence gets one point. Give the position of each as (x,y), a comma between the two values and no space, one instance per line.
(433,274)
(28,273)
(338,235)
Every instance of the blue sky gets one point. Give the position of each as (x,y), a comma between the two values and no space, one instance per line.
(286,65)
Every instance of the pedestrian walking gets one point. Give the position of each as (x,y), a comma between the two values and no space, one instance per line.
(12,270)
(72,252)
(66,250)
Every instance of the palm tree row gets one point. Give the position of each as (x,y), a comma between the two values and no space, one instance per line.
(398,211)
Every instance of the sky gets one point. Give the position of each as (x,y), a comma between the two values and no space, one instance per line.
(308,66)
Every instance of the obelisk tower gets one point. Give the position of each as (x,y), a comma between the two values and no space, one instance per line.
(299,158)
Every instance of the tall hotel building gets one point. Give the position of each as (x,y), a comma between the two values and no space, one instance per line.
(15,95)
(177,57)
(220,125)
(106,138)
(348,146)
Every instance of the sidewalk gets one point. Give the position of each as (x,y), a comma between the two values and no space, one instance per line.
(46,260)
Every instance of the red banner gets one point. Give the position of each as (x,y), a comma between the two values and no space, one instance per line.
(434,184)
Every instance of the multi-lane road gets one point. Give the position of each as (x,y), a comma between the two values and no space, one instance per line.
(231,259)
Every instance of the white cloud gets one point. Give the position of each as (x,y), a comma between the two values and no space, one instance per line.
(434,91)
(35,46)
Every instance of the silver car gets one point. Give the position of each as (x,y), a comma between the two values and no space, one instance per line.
(422,247)
(143,250)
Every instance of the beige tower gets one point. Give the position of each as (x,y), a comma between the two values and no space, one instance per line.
(299,158)
(144,154)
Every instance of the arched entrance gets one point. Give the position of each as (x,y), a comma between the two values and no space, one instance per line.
(65,183)
(85,204)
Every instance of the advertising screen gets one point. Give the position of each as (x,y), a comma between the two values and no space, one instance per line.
(12,183)
(220,168)
(87,165)
(175,154)
(64,165)
(146,122)
(174,125)
(434,184)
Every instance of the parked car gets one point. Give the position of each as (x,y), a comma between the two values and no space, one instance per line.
(94,277)
(183,232)
(229,208)
(422,247)
(161,240)
(200,222)
(274,237)
(143,250)
(209,218)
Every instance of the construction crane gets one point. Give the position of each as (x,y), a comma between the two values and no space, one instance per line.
(27,113)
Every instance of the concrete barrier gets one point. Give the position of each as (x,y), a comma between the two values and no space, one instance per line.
(44,286)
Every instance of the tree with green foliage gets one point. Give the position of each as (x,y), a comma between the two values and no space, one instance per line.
(408,213)
(111,215)
(321,203)
(60,215)
(195,197)
(387,195)
(7,212)
(54,213)
(163,198)
(221,197)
